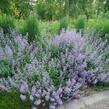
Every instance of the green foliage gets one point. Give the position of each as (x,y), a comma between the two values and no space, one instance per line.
(19,25)
(54,9)
(4,6)
(80,23)
(49,28)
(16,8)
(6,22)
(100,25)
(21,8)
(31,26)
(5,68)
(106,54)
(54,75)
(63,23)
(101,86)
(54,28)
(55,52)
(11,100)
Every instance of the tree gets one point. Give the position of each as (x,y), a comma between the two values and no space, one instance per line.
(5,6)
(17,8)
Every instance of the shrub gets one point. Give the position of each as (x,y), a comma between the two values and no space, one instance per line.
(63,23)
(80,23)
(74,65)
(101,26)
(7,22)
(31,27)
(19,53)
(49,80)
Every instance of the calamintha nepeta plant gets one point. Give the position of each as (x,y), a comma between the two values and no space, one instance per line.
(76,65)
(53,75)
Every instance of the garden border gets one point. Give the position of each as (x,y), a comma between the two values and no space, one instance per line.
(83,102)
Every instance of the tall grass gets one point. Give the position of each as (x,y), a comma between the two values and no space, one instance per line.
(7,22)
(31,26)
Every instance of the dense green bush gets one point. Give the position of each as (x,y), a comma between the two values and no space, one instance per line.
(54,28)
(103,27)
(31,26)
(100,25)
(80,23)
(63,23)
(7,22)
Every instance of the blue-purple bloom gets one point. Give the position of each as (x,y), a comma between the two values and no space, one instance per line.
(22,97)
(74,61)
(37,102)
(24,88)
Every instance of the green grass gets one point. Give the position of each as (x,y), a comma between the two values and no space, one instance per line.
(11,100)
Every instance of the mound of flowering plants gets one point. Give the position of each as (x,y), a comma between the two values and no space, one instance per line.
(54,74)
(71,64)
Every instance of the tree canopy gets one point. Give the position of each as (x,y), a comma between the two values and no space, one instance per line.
(53,9)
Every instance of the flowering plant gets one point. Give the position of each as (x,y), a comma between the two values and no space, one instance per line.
(77,66)
(52,75)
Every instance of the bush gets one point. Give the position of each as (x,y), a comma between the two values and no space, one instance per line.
(31,26)
(60,72)
(74,64)
(80,23)
(100,25)
(63,23)
(103,27)
(7,22)
(18,54)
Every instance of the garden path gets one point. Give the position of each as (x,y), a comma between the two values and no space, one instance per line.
(104,104)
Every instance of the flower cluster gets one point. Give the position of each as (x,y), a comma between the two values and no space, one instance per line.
(77,66)
(53,74)
(21,56)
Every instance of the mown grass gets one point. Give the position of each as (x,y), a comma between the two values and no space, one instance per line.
(11,100)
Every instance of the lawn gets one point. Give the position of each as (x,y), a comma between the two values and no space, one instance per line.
(11,100)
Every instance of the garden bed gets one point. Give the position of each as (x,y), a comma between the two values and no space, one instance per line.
(51,75)
(11,100)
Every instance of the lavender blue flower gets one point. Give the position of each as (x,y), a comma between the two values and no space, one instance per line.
(24,88)
(33,91)
(37,102)
(31,98)
(52,107)
(57,74)
(22,97)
